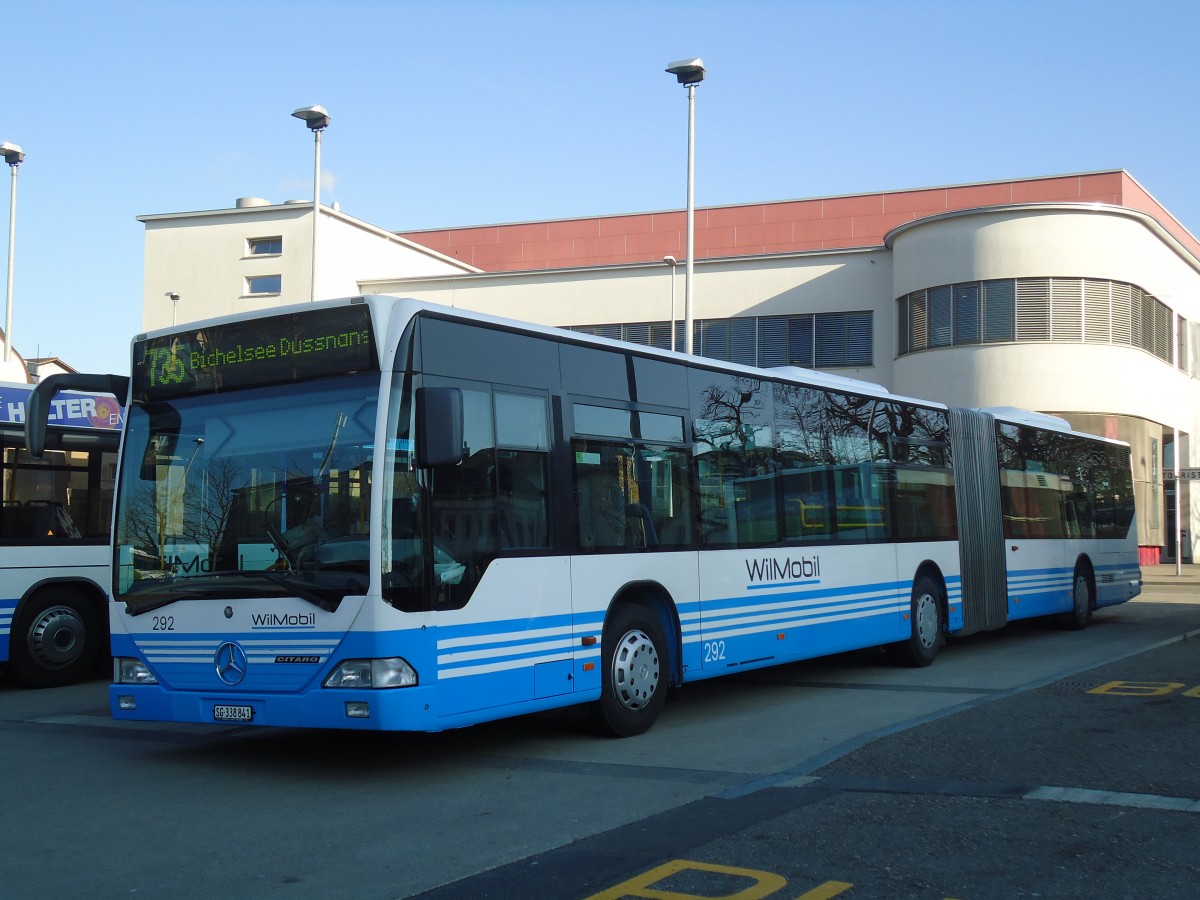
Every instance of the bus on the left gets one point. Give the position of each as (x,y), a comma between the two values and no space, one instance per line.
(55,520)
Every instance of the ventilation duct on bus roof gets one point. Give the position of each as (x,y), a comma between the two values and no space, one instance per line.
(250,202)
(1028,417)
(826,379)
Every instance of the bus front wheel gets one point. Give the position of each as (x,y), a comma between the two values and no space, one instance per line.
(55,639)
(634,673)
(925,619)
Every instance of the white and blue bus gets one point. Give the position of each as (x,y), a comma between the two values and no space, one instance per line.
(382,514)
(55,513)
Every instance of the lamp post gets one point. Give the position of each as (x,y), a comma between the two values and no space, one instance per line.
(14,156)
(317,119)
(672,262)
(174,298)
(689,73)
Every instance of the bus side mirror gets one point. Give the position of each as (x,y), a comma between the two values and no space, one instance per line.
(37,407)
(439,426)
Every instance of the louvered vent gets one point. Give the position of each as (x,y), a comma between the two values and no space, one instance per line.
(1122,313)
(999,311)
(743,341)
(638,333)
(800,341)
(1033,309)
(714,340)
(609,331)
(940,316)
(831,340)
(1097,321)
(860,338)
(1066,309)
(966,313)
(920,338)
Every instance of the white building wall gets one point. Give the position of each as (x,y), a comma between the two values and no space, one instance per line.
(203,256)
(760,286)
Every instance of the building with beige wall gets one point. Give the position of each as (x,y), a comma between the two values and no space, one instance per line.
(1076,295)
(259,254)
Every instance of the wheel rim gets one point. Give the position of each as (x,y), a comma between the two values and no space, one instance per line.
(56,638)
(635,670)
(1081,596)
(926,614)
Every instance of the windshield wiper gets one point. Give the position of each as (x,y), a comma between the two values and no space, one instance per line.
(208,586)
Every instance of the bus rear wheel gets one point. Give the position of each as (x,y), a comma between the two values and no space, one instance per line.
(1080,614)
(634,673)
(926,620)
(55,639)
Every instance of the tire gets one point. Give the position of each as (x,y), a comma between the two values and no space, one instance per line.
(634,673)
(55,640)
(1081,602)
(927,620)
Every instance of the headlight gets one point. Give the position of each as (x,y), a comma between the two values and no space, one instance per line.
(131,671)
(392,672)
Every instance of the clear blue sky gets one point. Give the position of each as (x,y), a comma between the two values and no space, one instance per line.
(462,113)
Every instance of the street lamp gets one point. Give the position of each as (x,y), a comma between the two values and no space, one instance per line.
(174,298)
(672,262)
(14,156)
(689,73)
(317,119)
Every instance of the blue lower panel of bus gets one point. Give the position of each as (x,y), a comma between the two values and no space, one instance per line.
(1039,592)
(7,609)
(1042,592)
(477,673)
(777,623)
(1117,583)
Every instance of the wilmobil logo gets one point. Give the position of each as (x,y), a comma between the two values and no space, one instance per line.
(275,620)
(770,570)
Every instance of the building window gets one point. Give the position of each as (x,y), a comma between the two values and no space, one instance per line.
(264,284)
(1026,310)
(813,340)
(265,246)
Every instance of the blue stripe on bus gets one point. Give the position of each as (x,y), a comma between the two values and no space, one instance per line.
(7,609)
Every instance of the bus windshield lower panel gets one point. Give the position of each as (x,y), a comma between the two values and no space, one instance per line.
(262,492)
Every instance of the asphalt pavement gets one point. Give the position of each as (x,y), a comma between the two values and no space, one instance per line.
(1085,786)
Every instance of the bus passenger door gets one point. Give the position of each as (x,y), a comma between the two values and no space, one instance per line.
(503,605)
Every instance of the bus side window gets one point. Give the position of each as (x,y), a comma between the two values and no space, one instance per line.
(600,494)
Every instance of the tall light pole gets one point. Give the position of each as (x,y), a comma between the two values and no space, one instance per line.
(14,156)
(317,119)
(689,73)
(173,296)
(672,262)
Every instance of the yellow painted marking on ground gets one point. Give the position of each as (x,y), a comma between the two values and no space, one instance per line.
(1137,688)
(765,883)
(826,890)
(1192,692)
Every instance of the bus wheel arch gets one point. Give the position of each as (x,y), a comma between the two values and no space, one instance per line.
(1083,597)
(58,633)
(640,656)
(928,613)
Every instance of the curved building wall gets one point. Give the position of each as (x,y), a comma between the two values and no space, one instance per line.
(1120,390)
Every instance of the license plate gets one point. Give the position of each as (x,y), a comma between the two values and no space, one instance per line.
(233,713)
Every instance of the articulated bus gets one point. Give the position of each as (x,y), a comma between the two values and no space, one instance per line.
(55,513)
(375,513)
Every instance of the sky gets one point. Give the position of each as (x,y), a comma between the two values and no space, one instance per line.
(465,112)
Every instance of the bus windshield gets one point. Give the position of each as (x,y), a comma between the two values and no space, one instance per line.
(239,494)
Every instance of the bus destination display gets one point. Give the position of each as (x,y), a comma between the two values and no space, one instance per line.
(273,350)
